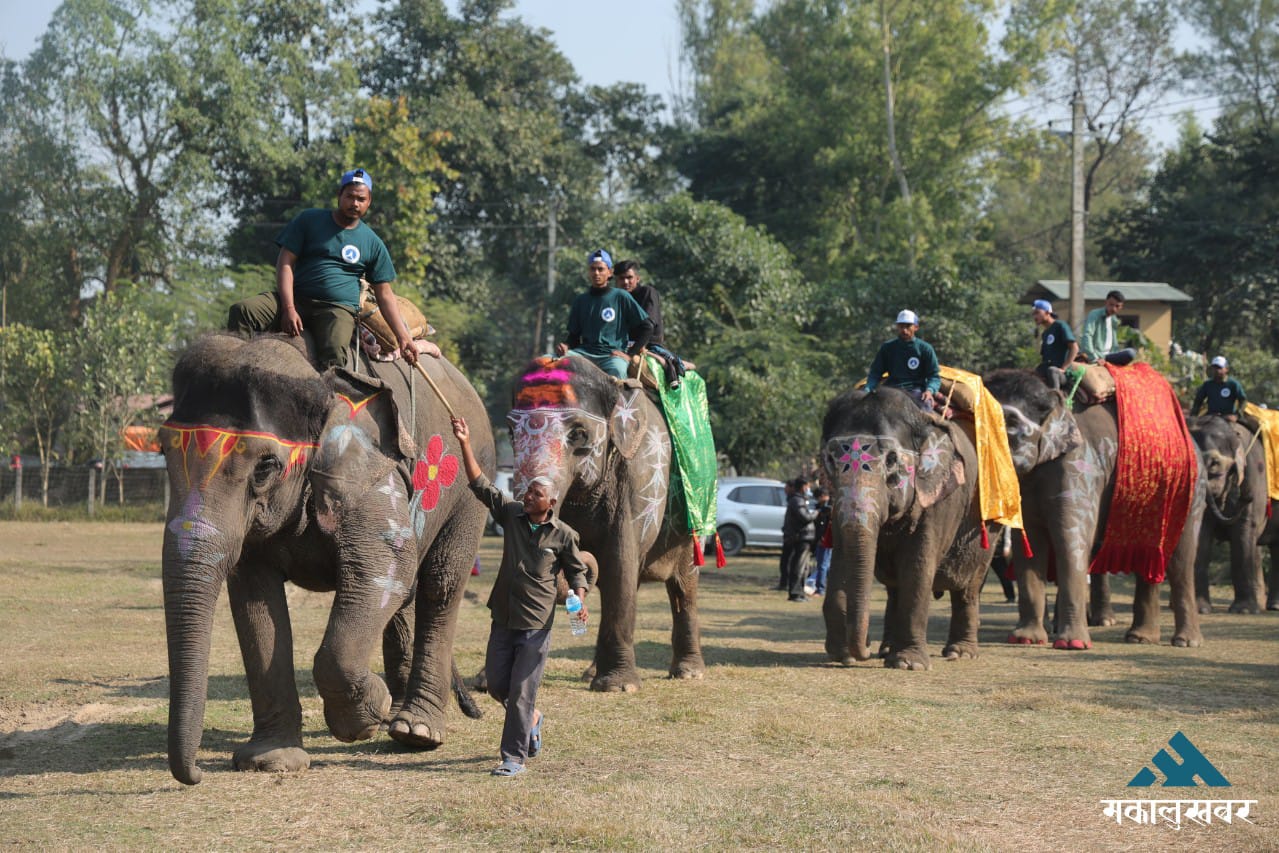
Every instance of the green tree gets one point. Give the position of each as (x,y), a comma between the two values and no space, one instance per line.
(1240,61)
(35,393)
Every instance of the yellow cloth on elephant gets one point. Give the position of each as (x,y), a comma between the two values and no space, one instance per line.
(1269,420)
(998,489)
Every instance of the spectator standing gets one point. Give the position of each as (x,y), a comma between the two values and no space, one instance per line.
(798,536)
(821,552)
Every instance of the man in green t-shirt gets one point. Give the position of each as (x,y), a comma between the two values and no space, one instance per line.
(911,364)
(1057,348)
(323,256)
(603,319)
(1223,394)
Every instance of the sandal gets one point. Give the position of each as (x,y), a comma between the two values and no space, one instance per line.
(507,768)
(535,736)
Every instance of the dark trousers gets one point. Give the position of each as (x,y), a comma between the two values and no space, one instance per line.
(331,325)
(513,665)
(795,559)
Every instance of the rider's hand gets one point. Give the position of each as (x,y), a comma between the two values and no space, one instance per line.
(561,350)
(291,322)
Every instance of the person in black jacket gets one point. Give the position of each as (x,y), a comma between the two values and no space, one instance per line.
(798,535)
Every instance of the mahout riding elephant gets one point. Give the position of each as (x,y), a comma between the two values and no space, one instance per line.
(1066,464)
(334,482)
(1235,464)
(606,447)
(905,511)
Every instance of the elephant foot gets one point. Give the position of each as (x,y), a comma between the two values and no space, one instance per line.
(616,682)
(838,652)
(956,651)
(1187,641)
(1103,619)
(885,649)
(1203,605)
(1072,645)
(270,757)
(349,722)
(588,674)
(1137,635)
(913,659)
(1272,603)
(1033,635)
(418,734)
(689,668)
(1245,606)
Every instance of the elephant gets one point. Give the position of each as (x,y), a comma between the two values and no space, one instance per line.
(279,473)
(1270,540)
(605,445)
(905,512)
(1065,462)
(1235,464)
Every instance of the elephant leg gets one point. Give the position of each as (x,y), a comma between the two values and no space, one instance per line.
(1071,628)
(397,651)
(420,720)
(261,616)
(1245,568)
(915,569)
(1181,591)
(1145,614)
(1203,559)
(686,637)
(1101,613)
(615,669)
(886,636)
(1031,596)
(961,642)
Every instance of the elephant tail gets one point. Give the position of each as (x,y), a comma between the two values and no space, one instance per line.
(464,699)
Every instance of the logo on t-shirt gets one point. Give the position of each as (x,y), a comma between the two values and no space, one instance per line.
(1225,392)
(912,363)
(1050,339)
(350,253)
(608,314)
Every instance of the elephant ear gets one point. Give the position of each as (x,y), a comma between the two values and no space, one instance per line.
(939,470)
(367,402)
(628,421)
(1058,435)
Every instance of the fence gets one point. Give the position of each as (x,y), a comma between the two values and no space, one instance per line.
(89,488)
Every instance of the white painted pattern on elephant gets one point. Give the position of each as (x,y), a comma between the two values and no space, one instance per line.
(539,439)
(654,455)
(338,440)
(857,465)
(1082,502)
(393,590)
(191,530)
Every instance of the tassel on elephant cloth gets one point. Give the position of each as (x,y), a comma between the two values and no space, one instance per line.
(998,490)
(1155,474)
(1269,420)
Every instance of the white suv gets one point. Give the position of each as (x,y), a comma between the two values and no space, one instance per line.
(749,513)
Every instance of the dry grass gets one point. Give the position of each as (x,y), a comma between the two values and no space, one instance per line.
(774,749)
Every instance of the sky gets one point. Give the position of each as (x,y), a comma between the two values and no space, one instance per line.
(587,32)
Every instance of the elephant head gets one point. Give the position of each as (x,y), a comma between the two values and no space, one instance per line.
(568,417)
(889,464)
(1039,425)
(257,437)
(1223,452)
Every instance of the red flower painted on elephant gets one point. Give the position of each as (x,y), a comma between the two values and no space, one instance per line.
(436,471)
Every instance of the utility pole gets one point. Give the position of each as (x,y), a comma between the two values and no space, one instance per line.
(1077,212)
(551,228)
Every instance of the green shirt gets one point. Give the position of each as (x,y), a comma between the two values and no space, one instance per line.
(1100,336)
(601,319)
(1056,343)
(332,259)
(1223,398)
(911,365)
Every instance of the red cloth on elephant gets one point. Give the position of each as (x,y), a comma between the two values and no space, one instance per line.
(1155,476)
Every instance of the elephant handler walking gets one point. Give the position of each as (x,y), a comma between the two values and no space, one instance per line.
(536,545)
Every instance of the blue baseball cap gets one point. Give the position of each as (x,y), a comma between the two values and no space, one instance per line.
(1043,305)
(600,255)
(356,176)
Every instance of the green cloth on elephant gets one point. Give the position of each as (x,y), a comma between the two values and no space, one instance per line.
(694,469)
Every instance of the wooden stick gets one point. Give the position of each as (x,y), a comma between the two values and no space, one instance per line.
(1261,426)
(434,387)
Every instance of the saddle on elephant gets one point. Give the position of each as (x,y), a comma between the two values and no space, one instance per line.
(1155,472)
(1089,384)
(694,476)
(1267,431)
(371,319)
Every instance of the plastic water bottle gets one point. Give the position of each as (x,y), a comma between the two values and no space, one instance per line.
(573,606)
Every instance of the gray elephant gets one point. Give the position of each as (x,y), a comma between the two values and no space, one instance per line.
(905,511)
(1235,464)
(606,447)
(1270,540)
(1066,464)
(334,482)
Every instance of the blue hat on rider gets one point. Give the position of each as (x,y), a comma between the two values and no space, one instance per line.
(355,176)
(1043,305)
(600,255)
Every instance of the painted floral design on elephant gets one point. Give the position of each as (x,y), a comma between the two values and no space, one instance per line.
(654,456)
(433,473)
(540,438)
(1082,502)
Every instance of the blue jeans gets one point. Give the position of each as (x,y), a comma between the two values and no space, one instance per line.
(821,568)
(610,364)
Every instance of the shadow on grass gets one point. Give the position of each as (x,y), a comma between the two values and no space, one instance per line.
(221,687)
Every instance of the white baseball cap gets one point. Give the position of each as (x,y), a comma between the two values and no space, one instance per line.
(1220,361)
(907,316)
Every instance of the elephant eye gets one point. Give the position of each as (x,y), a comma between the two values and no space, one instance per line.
(267,467)
(577,436)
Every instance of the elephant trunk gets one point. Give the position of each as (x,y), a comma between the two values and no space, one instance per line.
(191,590)
(862,576)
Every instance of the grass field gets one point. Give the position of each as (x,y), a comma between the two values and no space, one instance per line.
(775,749)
